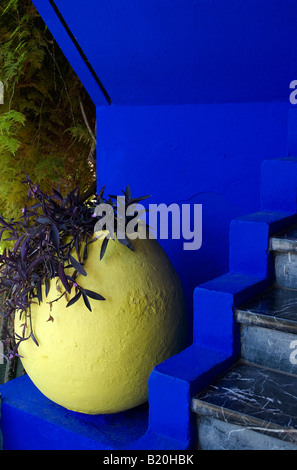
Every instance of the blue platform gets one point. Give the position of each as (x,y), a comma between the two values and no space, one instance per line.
(33,422)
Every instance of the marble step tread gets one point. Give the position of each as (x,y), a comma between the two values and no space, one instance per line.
(253,398)
(276,308)
(285,241)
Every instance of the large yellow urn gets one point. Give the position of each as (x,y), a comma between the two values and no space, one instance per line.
(99,361)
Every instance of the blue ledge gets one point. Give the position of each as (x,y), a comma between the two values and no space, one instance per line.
(30,421)
(249,240)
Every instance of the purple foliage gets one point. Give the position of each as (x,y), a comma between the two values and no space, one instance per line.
(44,240)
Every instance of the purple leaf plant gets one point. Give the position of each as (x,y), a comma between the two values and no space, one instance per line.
(44,241)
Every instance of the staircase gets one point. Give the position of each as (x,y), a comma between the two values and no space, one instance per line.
(253,406)
(235,386)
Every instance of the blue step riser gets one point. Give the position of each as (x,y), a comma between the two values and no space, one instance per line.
(269,348)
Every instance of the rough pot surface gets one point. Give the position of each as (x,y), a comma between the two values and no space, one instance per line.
(99,362)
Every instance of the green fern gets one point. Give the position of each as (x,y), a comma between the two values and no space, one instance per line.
(43,131)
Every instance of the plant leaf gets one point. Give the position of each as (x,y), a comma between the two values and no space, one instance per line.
(44,220)
(2,222)
(128,192)
(35,206)
(135,200)
(86,301)
(34,339)
(24,249)
(63,278)
(93,295)
(85,254)
(47,287)
(126,242)
(35,262)
(39,291)
(74,299)
(17,243)
(55,237)
(77,266)
(103,247)
(100,195)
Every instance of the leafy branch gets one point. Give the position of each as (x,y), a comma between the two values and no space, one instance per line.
(51,237)
(42,128)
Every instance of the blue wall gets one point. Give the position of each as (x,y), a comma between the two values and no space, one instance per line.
(200,97)
(209,154)
(152,52)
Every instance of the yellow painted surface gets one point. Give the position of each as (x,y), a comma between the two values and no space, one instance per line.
(99,362)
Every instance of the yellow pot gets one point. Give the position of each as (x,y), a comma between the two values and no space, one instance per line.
(99,362)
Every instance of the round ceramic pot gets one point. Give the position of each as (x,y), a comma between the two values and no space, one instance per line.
(99,361)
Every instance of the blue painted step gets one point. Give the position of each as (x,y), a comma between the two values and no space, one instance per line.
(32,422)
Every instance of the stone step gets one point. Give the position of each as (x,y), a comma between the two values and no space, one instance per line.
(284,248)
(268,329)
(249,408)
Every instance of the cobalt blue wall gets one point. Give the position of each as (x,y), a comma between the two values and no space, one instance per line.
(200,97)
(153,52)
(209,154)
